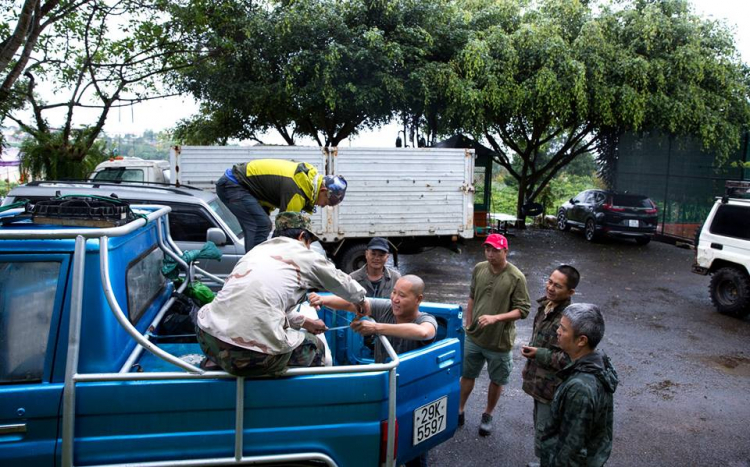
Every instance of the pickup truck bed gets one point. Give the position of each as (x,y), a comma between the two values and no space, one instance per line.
(340,414)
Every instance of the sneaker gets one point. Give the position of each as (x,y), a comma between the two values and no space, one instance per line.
(461,419)
(485,428)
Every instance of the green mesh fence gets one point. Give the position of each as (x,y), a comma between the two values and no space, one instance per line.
(678,176)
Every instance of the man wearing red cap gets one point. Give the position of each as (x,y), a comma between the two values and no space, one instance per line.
(498,297)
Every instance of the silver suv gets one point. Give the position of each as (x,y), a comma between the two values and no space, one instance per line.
(722,249)
(196,215)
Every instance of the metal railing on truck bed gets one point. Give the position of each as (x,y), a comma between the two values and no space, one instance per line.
(157,214)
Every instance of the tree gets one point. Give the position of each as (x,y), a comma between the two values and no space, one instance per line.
(22,26)
(103,56)
(546,82)
(31,19)
(325,69)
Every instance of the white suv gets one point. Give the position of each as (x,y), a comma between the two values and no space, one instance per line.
(723,250)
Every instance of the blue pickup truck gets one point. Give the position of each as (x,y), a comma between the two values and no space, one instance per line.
(88,376)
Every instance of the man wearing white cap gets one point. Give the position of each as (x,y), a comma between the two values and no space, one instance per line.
(498,297)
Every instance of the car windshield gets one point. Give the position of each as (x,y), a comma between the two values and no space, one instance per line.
(226,215)
(120,174)
(631,201)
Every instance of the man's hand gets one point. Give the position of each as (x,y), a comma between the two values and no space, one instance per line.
(366,327)
(528,352)
(486,320)
(363,308)
(315,326)
(315,300)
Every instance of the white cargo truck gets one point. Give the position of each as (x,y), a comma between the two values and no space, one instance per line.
(131,169)
(414,197)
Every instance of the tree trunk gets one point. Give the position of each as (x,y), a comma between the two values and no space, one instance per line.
(520,218)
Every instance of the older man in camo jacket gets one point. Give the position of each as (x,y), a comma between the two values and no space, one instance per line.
(580,431)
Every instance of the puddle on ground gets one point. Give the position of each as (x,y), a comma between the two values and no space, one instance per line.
(737,365)
(666,389)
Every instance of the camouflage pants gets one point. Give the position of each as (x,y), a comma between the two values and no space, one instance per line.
(542,417)
(245,362)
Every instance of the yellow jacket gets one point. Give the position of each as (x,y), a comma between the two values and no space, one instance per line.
(275,183)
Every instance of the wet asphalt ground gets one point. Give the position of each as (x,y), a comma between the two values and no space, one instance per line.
(684,393)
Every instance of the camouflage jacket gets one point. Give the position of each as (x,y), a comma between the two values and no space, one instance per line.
(540,373)
(580,431)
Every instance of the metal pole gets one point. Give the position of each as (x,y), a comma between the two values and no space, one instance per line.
(277,459)
(239,422)
(124,321)
(666,186)
(71,366)
(138,350)
(392,387)
(172,254)
(157,319)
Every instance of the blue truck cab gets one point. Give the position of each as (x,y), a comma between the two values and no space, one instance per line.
(87,376)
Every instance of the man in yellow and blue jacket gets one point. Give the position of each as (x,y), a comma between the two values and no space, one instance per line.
(253,189)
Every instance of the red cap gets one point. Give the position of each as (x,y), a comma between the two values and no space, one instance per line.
(497,241)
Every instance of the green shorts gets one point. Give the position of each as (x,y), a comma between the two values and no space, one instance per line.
(499,364)
(245,362)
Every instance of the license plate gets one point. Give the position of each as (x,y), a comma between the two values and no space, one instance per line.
(430,419)
(632,223)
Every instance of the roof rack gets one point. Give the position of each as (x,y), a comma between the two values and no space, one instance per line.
(71,211)
(84,211)
(738,189)
(97,184)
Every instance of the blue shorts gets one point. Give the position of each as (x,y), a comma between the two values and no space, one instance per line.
(499,364)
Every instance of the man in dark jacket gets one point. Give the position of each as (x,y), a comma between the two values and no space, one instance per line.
(544,356)
(580,432)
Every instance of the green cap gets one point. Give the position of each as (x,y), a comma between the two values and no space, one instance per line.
(293,220)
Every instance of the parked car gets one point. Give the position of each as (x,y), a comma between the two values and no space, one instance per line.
(602,212)
(722,249)
(197,215)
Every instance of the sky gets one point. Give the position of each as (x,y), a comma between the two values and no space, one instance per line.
(162,114)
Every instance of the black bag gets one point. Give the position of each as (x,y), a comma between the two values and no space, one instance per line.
(178,324)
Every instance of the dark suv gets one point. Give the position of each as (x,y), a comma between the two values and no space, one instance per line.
(600,212)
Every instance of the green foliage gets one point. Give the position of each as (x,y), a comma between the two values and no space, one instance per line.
(94,54)
(149,145)
(326,69)
(553,80)
(5,187)
(54,157)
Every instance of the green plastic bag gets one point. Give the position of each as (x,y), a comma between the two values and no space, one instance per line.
(200,292)
(197,290)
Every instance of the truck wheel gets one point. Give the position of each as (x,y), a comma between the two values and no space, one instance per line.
(590,231)
(562,221)
(353,258)
(730,291)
